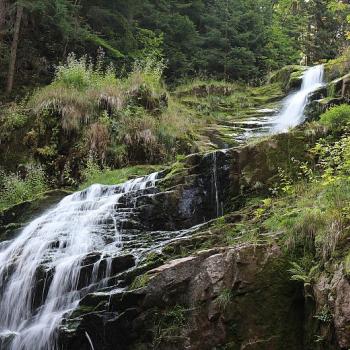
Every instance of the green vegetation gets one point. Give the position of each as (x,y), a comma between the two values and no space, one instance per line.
(224,299)
(168,325)
(93,174)
(336,118)
(19,187)
(140,282)
(87,113)
(231,39)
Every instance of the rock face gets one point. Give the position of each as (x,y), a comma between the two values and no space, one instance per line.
(330,306)
(14,218)
(235,296)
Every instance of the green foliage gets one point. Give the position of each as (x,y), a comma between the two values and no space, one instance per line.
(11,119)
(79,92)
(229,39)
(81,74)
(168,324)
(16,188)
(324,315)
(300,274)
(224,299)
(88,112)
(140,282)
(336,118)
(93,174)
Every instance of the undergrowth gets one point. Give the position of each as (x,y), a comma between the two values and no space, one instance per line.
(18,187)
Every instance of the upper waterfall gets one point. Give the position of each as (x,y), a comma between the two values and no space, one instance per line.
(292,113)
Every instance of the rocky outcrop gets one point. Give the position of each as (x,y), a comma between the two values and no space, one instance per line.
(14,218)
(290,77)
(234,296)
(330,309)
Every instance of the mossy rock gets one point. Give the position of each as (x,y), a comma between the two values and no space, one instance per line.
(14,218)
(295,80)
(285,74)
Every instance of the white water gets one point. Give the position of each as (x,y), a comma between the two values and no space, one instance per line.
(292,113)
(58,241)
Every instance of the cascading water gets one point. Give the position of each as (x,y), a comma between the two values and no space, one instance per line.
(55,246)
(292,113)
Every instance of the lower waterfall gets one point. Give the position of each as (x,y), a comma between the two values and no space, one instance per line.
(40,270)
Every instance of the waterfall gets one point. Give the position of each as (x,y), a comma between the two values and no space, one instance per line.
(292,113)
(53,247)
(218,205)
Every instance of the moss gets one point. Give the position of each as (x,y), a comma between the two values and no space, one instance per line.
(283,75)
(117,176)
(347,265)
(154,258)
(278,298)
(140,282)
(295,80)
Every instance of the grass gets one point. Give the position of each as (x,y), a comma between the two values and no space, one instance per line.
(224,299)
(113,177)
(168,325)
(139,282)
(16,188)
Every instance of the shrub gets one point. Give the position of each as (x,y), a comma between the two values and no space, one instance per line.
(337,117)
(16,187)
(79,93)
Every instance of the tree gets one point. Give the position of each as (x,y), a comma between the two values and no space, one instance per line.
(3,14)
(14,46)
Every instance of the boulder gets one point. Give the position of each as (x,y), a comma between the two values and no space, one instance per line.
(219,296)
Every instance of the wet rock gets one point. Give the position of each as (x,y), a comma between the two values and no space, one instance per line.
(210,292)
(14,218)
(315,108)
(290,77)
(117,264)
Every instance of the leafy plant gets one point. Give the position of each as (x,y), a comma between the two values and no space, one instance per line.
(324,315)
(224,299)
(337,117)
(302,274)
(16,187)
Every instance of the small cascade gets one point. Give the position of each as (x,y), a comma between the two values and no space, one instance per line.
(218,203)
(41,276)
(292,113)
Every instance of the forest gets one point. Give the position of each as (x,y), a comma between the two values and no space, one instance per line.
(174,174)
(225,39)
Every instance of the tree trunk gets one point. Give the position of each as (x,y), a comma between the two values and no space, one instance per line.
(3,13)
(14,46)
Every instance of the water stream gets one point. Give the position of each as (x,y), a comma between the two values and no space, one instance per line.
(40,270)
(292,113)
(54,247)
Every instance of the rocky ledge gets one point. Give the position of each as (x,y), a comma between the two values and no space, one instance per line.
(238,296)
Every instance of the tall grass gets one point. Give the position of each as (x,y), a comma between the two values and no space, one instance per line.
(120,121)
(16,187)
(79,92)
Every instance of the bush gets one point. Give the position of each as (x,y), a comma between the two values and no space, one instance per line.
(337,117)
(79,93)
(87,110)
(16,187)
